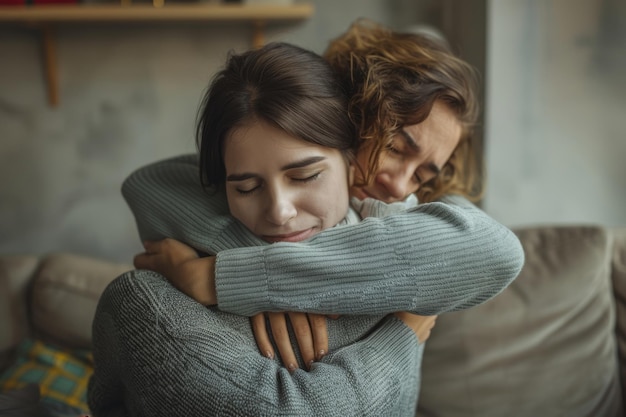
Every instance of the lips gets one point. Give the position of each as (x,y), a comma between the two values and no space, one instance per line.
(290,237)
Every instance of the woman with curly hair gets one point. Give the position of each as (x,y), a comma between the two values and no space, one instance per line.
(398,83)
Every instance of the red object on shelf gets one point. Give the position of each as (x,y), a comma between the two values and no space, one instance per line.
(12,2)
(53,1)
(31,2)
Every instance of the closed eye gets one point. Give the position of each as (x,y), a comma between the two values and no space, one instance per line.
(250,191)
(393,149)
(309,178)
(246,184)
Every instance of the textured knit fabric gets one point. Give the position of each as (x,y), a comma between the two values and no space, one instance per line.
(159,353)
(434,258)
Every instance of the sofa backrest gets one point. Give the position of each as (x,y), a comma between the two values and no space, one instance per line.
(52,297)
(545,346)
(618,272)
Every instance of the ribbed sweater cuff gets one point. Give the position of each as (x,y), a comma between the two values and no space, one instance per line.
(241,281)
(395,339)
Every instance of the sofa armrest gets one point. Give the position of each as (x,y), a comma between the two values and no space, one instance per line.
(618,275)
(16,274)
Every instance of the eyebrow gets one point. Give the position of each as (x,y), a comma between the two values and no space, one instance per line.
(410,141)
(292,165)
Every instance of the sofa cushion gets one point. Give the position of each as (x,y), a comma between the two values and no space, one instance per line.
(619,288)
(16,272)
(23,402)
(65,294)
(544,347)
(60,375)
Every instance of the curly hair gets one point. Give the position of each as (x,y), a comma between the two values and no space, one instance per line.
(393,80)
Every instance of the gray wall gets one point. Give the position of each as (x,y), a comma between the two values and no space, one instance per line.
(556,111)
(555,119)
(129,95)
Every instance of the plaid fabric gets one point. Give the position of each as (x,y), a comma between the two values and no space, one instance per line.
(62,375)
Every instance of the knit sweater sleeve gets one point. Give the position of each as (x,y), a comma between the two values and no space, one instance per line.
(167,200)
(159,353)
(434,258)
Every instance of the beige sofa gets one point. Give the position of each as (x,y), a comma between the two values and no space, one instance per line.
(552,344)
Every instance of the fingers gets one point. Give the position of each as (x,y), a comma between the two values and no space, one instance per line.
(320,334)
(261,336)
(421,325)
(149,244)
(310,331)
(278,323)
(304,336)
(426,328)
(163,254)
(154,246)
(146,260)
(143,261)
(171,247)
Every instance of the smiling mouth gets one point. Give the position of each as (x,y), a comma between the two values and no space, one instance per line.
(290,237)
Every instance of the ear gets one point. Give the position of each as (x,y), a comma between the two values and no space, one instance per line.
(351,170)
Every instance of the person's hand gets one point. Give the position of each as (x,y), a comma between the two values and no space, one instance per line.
(310,330)
(182,267)
(421,325)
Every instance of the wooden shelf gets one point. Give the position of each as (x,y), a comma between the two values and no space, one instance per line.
(150,13)
(46,16)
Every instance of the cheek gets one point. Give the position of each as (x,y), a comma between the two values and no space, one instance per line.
(241,211)
(329,214)
(332,201)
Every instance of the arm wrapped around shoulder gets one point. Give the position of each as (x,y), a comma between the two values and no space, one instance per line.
(434,258)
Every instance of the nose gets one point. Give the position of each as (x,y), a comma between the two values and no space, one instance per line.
(280,208)
(398,184)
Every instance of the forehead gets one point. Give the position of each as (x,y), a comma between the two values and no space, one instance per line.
(262,145)
(436,136)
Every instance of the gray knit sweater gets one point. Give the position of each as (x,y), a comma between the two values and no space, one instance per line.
(157,352)
(434,258)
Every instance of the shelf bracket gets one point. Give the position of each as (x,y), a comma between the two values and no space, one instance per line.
(49,49)
(258,33)
(50,64)
(43,19)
